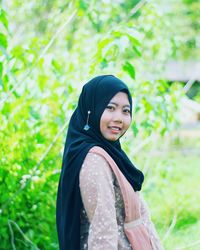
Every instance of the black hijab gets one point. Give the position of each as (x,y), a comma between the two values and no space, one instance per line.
(94,97)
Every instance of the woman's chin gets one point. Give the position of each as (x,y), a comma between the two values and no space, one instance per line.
(112,137)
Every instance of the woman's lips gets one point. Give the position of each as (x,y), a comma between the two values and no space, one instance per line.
(115,130)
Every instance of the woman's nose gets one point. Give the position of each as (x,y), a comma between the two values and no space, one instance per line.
(118,117)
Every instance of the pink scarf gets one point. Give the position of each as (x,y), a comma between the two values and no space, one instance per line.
(134,228)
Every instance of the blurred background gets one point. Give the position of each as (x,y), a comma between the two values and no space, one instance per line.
(48,50)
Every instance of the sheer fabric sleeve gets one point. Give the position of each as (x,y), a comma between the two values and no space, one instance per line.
(97,192)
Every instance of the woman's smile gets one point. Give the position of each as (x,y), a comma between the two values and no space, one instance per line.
(114,129)
(116,118)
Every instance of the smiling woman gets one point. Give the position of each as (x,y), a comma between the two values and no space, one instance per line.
(99,205)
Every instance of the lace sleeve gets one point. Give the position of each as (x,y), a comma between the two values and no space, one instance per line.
(97,192)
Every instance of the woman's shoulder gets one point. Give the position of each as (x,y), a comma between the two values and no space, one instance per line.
(93,158)
(95,164)
(99,151)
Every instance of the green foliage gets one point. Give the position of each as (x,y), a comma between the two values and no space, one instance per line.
(3,18)
(3,41)
(44,55)
(130,69)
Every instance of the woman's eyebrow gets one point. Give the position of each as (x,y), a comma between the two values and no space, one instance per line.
(127,105)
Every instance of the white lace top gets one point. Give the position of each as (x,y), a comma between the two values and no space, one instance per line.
(102,217)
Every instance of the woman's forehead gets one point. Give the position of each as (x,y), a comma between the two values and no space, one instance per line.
(120,98)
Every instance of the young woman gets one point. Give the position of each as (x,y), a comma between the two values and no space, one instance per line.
(99,205)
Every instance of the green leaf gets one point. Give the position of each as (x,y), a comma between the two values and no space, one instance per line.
(3,18)
(83,5)
(1,69)
(42,80)
(148,105)
(103,43)
(34,113)
(134,40)
(6,109)
(3,41)
(104,63)
(17,51)
(134,128)
(129,69)
(138,53)
(111,51)
(40,138)
(56,65)
(70,89)
(118,33)
(5,80)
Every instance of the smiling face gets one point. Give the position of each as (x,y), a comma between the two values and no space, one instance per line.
(116,118)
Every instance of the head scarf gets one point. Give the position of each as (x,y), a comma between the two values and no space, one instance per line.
(94,97)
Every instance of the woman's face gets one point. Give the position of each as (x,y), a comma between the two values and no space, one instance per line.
(116,118)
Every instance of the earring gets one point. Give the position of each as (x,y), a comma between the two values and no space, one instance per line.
(86,127)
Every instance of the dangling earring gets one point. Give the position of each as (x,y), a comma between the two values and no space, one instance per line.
(86,127)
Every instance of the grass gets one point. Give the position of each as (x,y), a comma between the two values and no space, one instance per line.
(171,188)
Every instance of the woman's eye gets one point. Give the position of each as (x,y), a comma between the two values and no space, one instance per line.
(110,107)
(127,111)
